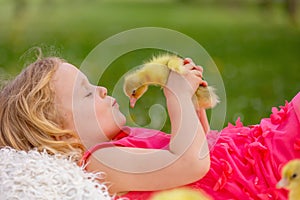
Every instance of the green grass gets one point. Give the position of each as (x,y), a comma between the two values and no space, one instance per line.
(257,54)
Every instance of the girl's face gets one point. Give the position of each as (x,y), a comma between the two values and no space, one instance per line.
(86,108)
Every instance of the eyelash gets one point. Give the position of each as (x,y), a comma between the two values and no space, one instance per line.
(89,94)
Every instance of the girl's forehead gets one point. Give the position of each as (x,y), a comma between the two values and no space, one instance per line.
(65,73)
(64,77)
(67,68)
(67,78)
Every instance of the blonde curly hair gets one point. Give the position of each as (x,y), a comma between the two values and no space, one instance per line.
(28,116)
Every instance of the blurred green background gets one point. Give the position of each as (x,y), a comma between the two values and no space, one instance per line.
(254,43)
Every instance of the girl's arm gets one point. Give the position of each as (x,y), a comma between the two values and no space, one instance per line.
(187,160)
(201,112)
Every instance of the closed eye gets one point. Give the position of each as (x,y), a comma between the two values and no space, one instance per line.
(89,94)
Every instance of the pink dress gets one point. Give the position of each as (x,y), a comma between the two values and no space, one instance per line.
(246,161)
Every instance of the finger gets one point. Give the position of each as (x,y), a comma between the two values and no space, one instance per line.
(203,84)
(189,66)
(197,73)
(199,68)
(188,61)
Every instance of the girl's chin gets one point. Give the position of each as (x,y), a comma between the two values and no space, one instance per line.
(120,118)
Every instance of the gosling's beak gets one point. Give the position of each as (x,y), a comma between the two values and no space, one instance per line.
(132,101)
(282,183)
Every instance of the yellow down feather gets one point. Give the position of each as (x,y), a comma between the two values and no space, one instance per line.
(180,194)
(156,72)
(291,179)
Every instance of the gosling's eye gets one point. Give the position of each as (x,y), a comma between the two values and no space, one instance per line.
(89,94)
(133,92)
(294,176)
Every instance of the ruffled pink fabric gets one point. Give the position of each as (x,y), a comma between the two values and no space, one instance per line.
(246,161)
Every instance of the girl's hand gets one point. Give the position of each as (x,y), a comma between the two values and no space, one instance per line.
(186,83)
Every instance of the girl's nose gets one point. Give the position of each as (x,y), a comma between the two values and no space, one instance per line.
(102,91)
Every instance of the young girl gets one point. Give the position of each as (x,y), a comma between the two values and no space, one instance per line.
(51,105)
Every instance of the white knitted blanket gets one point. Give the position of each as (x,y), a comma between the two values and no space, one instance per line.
(35,175)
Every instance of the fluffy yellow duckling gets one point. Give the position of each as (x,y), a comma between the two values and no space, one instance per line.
(156,72)
(291,179)
(180,194)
